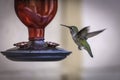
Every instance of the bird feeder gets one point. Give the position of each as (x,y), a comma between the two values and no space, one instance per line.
(36,15)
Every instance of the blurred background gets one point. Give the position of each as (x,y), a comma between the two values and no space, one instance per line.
(79,65)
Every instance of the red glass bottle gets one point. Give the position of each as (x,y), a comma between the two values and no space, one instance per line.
(36,15)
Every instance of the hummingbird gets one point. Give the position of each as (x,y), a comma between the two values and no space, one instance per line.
(80,37)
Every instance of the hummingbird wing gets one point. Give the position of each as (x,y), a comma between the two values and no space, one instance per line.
(92,34)
(83,32)
(86,46)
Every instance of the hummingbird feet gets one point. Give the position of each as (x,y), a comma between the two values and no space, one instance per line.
(79,47)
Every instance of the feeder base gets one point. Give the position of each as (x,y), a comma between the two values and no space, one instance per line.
(51,54)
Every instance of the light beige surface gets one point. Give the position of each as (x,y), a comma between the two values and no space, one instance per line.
(71,10)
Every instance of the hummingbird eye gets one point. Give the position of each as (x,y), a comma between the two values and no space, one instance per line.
(71,30)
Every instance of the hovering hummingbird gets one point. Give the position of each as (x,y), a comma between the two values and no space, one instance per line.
(80,37)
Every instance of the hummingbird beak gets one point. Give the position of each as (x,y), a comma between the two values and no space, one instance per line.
(65,25)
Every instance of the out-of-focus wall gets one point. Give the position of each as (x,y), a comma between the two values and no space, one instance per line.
(100,14)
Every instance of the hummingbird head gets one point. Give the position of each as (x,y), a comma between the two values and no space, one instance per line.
(73,29)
